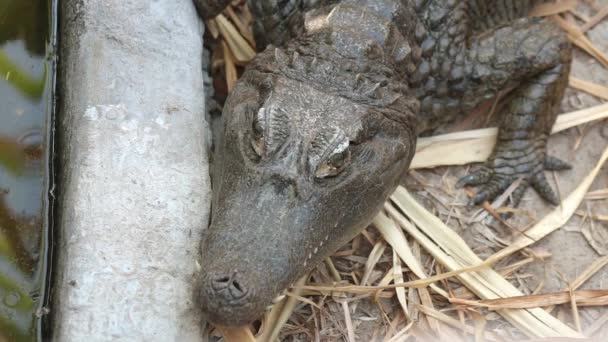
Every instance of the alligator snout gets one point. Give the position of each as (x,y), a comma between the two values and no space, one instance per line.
(228,297)
(249,251)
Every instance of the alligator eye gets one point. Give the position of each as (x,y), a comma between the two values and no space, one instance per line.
(270,130)
(336,162)
(257,143)
(330,153)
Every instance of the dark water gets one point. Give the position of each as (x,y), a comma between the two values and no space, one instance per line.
(26,106)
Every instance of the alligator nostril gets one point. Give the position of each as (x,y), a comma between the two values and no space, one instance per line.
(229,287)
(237,286)
(237,290)
(221,283)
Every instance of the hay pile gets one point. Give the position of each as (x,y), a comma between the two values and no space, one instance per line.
(410,276)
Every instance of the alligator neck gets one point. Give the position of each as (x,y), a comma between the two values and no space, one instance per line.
(365,63)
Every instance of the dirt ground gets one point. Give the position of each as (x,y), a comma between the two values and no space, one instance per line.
(554,262)
(583,239)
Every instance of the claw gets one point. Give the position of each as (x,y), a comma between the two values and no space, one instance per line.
(540,183)
(479,177)
(494,188)
(518,194)
(556,164)
(494,182)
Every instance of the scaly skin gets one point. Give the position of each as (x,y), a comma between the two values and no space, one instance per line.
(322,126)
(208,9)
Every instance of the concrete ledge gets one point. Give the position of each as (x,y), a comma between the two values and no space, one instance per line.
(133,175)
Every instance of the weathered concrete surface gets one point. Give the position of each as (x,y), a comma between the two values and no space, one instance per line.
(133,186)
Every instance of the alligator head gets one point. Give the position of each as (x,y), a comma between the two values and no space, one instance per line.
(298,172)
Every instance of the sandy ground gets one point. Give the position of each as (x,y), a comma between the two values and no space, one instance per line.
(582,240)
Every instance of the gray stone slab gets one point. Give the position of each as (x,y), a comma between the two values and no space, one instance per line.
(133,186)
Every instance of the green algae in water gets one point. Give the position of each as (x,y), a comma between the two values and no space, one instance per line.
(27,36)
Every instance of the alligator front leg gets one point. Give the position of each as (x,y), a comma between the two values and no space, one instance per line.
(210,8)
(537,54)
(278,21)
(489,14)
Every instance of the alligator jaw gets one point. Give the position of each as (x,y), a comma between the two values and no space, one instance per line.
(265,240)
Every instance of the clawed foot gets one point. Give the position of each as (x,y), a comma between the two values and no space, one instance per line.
(499,173)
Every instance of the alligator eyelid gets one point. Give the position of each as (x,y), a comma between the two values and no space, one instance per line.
(271,124)
(326,145)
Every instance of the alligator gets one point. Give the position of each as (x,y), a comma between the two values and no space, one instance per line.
(322,126)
